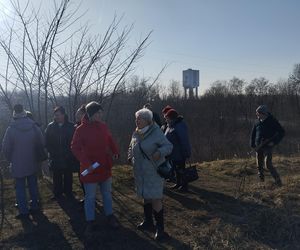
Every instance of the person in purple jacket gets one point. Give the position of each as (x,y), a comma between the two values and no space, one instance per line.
(177,133)
(19,146)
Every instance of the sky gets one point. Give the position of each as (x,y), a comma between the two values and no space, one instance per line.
(221,38)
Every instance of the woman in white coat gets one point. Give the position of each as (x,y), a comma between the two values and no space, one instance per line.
(147,150)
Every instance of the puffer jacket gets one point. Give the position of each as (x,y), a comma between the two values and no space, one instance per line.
(19,145)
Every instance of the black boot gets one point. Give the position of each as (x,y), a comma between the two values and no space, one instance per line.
(276,176)
(184,184)
(178,181)
(160,233)
(261,177)
(184,187)
(147,224)
(278,182)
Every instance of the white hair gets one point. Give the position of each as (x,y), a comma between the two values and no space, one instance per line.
(145,114)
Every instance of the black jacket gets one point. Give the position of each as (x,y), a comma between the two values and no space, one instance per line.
(263,130)
(58,143)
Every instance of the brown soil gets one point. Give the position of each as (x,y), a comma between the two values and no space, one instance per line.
(219,212)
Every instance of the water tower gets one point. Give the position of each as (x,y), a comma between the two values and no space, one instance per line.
(190,80)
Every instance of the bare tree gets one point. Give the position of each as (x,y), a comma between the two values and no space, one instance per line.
(236,86)
(294,85)
(261,86)
(47,62)
(218,88)
(174,89)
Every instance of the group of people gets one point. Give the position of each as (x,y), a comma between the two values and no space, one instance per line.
(87,147)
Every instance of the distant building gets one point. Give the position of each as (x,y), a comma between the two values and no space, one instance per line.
(190,80)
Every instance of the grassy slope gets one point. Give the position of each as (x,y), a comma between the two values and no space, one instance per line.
(217,213)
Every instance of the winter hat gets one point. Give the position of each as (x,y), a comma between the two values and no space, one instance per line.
(166,109)
(92,108)
(19,111)
(172,114)
(262,109)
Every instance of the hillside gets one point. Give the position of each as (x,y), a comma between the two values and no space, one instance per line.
(217,213)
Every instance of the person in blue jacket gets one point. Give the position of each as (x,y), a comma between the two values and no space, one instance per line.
(266,133)
(177,133)
(19,146)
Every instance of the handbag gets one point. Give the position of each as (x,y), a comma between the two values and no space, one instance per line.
(190,174)
(164,169)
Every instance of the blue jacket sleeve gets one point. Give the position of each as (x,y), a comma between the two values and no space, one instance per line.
(182,133)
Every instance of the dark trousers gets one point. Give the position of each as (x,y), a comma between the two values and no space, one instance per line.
(62,181)
(264,157)
(179,168)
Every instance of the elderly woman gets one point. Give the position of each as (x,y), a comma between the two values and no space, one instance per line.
(177,133)
(147,150)
(94,147)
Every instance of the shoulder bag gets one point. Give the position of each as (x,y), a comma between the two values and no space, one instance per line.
(190,174)
(164,169)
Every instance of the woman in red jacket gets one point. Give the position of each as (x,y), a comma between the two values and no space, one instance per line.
(93,145)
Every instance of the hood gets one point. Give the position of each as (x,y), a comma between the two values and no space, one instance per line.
(23,124)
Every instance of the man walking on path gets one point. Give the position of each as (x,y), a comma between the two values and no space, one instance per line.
(266,133)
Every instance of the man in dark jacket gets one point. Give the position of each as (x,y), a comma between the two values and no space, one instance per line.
(177,133)
(59,134)
(266,133)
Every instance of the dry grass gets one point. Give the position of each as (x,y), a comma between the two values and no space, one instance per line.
(216,214)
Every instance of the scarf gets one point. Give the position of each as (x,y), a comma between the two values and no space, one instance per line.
(143,130)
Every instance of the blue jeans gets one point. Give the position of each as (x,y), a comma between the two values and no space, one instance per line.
(21,193)
(90,198)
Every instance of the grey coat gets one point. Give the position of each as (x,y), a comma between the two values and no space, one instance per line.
(19,146)
(149,185)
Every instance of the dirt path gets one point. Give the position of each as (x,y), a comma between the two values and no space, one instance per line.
(208,217)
